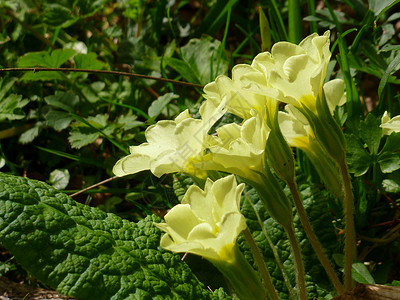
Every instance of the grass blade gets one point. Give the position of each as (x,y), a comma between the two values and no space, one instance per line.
(295,26)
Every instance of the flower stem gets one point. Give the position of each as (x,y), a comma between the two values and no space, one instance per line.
(244,279)
(275,252)
(298,262)
(262,268)
(313,238)
(349,241)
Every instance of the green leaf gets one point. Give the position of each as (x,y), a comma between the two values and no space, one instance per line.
(89,61)
(389,156)
(360,273)
(29,135)
(264,31)
(46,60)
(392,67)
(59,179)
(57,15)
(183,68)
(86,253)
(371,133)
(358,158)
(92,91)
(391,186)
(389,162)
(378,6)
(128,122)
(5,85)
(11,107)
(199,63)
(202,55)
(82,137)
(158,105)
(65,101)
(59,120)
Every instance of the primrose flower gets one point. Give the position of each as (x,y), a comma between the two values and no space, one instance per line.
(297,72)
(390,125)
(237,92)
(207,222)
(172,145)
(238,149)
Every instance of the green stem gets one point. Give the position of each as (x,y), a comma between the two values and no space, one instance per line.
(313,238)
(262,268)
(276,255)
(349,241)
(298,262)
(241,275)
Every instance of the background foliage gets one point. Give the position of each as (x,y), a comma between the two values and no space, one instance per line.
(68,129)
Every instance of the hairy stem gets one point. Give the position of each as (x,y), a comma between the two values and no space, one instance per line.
(349,241)
(275,253)
(298,262)
(262,268)
(313,238)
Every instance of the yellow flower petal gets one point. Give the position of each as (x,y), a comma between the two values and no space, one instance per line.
(208,222)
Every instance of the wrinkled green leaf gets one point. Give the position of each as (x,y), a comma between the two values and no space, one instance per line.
(59,179)
(84,252)
(158,105)
(360,273)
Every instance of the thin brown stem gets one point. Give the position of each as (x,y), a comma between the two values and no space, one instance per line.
(349,239)
(93,186)
(313,238)
(262,268)
(298,262)
(40,69)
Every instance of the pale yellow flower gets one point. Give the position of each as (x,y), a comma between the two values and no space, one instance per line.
(297,72)
(172,144)
(238,92)
(238,149)
(207,222)
(390,125)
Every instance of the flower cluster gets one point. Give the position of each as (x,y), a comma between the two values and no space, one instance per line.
(208,221)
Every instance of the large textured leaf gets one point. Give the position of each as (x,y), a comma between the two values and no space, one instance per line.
(87,253)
